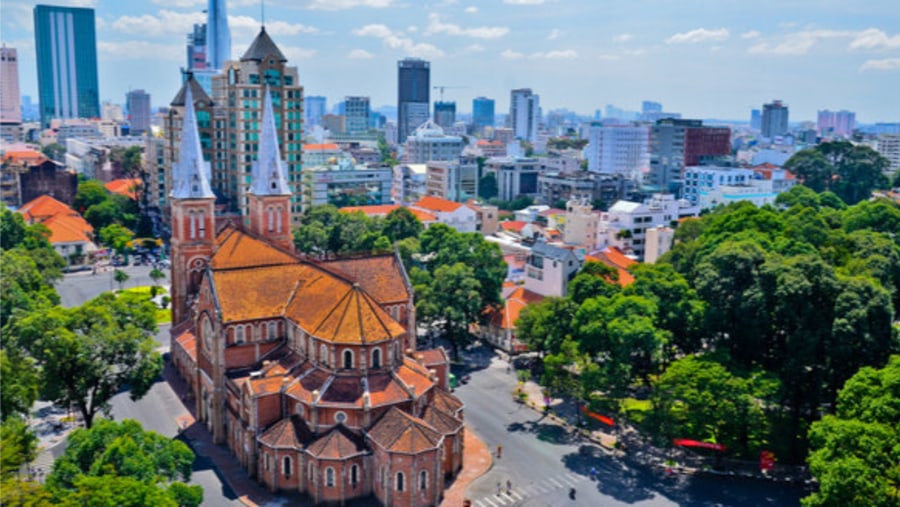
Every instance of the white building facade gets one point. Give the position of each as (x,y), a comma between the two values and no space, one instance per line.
(624,226)
(428,142)
(618,149)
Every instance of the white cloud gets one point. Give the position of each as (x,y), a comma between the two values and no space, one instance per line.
(560,54)
(698,35)
(554,34)
(297,53)
(751,34)
(179,3)
(251,25)
(474,48)
(360,54)
(874,38)
(625,37)
(337,5)
(471,9)
(399,41)
(523,2)
(484,32)
(887,64)
(798,43)
(165,23)
(509,54)
(139,49)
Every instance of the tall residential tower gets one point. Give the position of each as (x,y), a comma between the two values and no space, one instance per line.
(413,88)
(524,113)
(218,36)
(66,48)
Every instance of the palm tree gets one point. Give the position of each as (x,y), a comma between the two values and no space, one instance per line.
(120,277)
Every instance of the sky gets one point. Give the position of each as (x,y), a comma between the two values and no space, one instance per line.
(701,58)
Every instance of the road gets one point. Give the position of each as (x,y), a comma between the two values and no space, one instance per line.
(542,461)
(158,409)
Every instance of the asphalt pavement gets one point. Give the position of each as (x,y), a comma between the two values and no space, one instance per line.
(543,462)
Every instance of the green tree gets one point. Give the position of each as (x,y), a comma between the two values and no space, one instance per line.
(487,186)
(451,299)
(102,215)
(546,324)
(116,237)
(400,224)
(801,195)
(120,277)
(122,464)
(23,286)
(90,193)
(812,168)
(856,452)
(17,446)
(55,151)
(594,279)
(20,386)
(87,354)
(699,398)
(850,171)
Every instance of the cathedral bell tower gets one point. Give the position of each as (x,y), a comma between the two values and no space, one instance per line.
(270,196)
(193,220)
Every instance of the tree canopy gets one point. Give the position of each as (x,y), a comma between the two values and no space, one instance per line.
(849,170)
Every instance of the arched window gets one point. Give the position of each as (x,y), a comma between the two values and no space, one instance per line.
(376,358)
(423,480)
(239,334)
(201,224)
(323,354)
(312,472)
(273,329)
(329,477)
(192,218)
(287,466)
(267,462)
(383,478)
(348,359)
(271,213)
(401,480)
(354,475)
(278,220)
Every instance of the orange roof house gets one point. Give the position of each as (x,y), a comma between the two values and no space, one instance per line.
(616,259)
(69,232)
(383,210)
(129,187)
(433,203)
(501,328)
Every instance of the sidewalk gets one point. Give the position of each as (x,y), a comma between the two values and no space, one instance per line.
(477,460)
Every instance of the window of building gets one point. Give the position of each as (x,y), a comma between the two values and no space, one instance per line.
(423,480)
(271,213)
(376,358)
(340,417)
(201,224)
(267,462)
(300,410)
(287,466)
(239,334)
(273,330)
(354,475)
(323,355)
(401,479)
(383,477)
(312,472)
(348,359)
(329,477)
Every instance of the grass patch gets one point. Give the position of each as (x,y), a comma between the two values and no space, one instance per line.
(636,410)
(163,315)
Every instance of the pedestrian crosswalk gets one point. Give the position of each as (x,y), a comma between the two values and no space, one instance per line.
(519,493)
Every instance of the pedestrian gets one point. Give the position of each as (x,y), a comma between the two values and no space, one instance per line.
(499,488)
(499,451)
(508,487)
(572,493)
(593,473)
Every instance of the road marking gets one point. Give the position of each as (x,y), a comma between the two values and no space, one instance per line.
(568,479)
(558,485)
(488,500)
(515,494)
(501,499)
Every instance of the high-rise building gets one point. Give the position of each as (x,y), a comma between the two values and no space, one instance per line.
(482,113)
(315,107)
(218,36)
(429,142)
(445,113)
(524,113)
(774,119)
(413,88)
(836,123)
(10,100)
(648,106)
(138,104)
(676,144)
(196,47)
(755,119)
(618,149)
(238,94)
(356,114)
(66,48)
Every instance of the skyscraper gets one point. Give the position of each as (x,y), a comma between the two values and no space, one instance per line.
(524,113)
(138,104)
(218,36)
(445,113)
(10,101)
(314,109)
(774,119)
(482,113)
(356,114)
(836,123)
(618,149)
(196,47)
(66,48)
(413,88)
(755,119)
(648,106)
(676,144)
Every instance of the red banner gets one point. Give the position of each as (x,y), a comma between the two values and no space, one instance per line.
(602,418)
(766,460)
(683,442)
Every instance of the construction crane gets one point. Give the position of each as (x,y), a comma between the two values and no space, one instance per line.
(442,88)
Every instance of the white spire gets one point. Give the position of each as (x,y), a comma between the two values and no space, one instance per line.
(191,173)
(269,169)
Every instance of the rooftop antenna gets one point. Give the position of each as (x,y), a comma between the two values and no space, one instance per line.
(262,12)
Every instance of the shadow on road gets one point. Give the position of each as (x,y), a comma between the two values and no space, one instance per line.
(544,431)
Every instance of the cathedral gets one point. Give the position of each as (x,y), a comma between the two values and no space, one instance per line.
(306,369)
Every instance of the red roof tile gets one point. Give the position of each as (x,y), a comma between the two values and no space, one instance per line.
(129,187)
(447,402)
(235,249)
(400,432)
(338,443)
(288,433)
(513,225)
(506,316)
(432,203)
(441,421)
(188,342)
(381,276)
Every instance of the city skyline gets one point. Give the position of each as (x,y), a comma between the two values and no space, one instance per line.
(698,58)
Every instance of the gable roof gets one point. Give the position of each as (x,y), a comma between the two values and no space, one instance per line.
(355,318)
(64,223)
(432,203)
(382,210)
(513,225)
(263,47)
(237,249)
(28,158)
(338,443)
(551,251)
(129,187)
(198,94)
(381,276)
(446,401)
(508,314)
(441,421)
(400,432)
(44,207)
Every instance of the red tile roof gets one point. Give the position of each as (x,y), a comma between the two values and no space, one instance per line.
(288,433)
(321,147)
(344,390)
(29,158)
(432,356)
(129,187)
(382,210)
(441,421)
(64,223)
(379,275)
(513,225)
(616,259)
(235,249)
(384,389)
(400,432)
(447,402)
(44,207)
(338,443)
(414,376)
(188,342)
(506,316)
(432,203)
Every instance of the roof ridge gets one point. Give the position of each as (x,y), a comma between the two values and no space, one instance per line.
(331,312)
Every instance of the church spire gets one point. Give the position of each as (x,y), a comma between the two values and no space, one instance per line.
(268,169)
(191,173)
